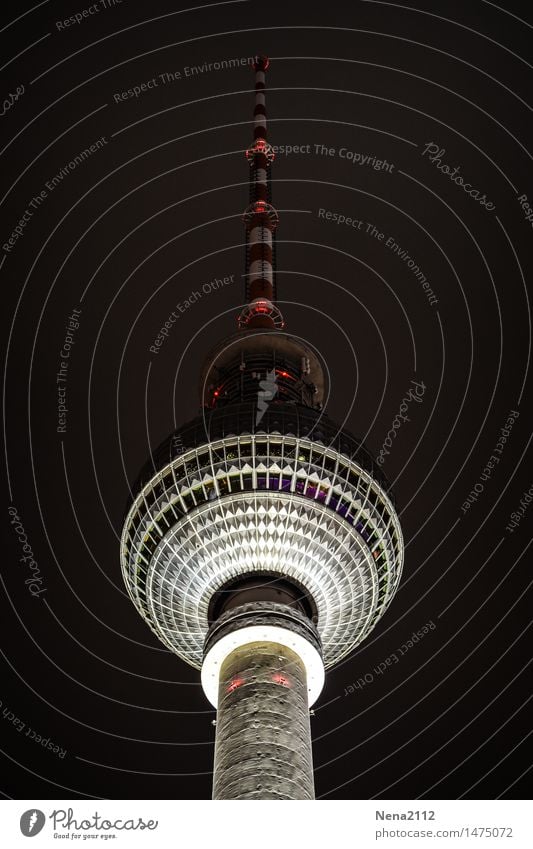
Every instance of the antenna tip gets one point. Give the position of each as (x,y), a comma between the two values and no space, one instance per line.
(261,63)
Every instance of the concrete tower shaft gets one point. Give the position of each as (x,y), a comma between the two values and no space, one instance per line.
(263,655)
(263,738)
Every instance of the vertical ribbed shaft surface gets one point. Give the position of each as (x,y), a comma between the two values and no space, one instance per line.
(263,736)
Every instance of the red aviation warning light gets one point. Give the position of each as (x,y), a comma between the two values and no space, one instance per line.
(281,679)
(234,684)
(260,308)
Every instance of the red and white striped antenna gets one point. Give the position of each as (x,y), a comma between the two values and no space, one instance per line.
(260,220)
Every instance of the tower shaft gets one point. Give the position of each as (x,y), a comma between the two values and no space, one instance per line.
(263,739)
(262,669)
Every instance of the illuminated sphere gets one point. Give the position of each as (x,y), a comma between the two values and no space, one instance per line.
(228,498)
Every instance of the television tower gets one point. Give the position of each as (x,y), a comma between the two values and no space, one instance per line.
(262,545)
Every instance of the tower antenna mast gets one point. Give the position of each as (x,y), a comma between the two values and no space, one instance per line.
(260,220)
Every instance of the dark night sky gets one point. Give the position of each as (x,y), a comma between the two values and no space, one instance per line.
(153,215)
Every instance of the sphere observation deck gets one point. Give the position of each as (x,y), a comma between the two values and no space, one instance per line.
(291,497)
